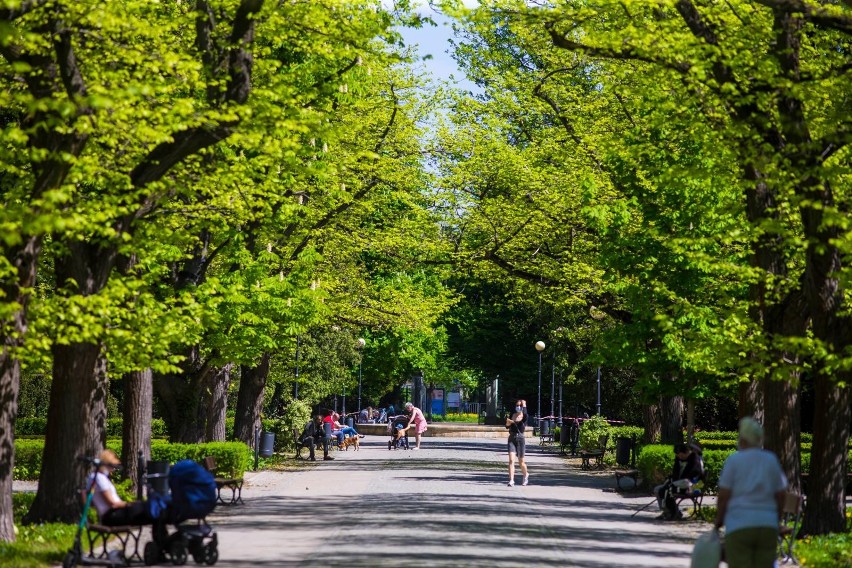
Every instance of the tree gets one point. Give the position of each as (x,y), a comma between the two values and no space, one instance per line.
(785,141)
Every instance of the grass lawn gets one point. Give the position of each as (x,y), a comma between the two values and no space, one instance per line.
(829,551)
(37,546)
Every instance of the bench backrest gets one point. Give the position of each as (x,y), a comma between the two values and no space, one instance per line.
(209,463)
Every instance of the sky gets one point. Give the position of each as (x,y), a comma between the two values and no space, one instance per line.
(434,41)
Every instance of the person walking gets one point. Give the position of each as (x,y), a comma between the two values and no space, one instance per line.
(418,420)
(516,425)
(752,487)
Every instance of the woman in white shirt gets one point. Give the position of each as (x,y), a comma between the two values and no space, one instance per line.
(112,511)
(752,486)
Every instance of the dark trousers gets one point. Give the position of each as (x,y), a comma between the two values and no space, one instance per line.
(134,514)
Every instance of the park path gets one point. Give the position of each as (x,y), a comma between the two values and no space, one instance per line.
(445,505)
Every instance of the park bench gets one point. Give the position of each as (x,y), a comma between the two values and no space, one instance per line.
(625,458)
(99,536)
(545,433)
(791,518)
(234,484)
(297,443)
(586,456)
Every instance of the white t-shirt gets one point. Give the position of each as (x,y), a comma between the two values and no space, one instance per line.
(753,476)
(102,485)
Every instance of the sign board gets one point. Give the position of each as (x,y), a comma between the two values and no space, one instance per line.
(453,399)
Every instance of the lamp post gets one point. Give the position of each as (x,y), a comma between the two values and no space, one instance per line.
(296,384)
(599,390)
(539,346)
(360,343)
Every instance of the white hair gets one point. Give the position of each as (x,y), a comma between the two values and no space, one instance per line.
(751,432)
(408,405)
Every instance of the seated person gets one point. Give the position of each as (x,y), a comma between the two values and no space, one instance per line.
(112,511)
(686,471)
(329,423)
(346,430)
(363,416)
(312,435)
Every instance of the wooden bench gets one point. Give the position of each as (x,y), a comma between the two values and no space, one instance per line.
(791,519)
(586,456)
(626,473)
(626,462)
(234,484)
(99,536)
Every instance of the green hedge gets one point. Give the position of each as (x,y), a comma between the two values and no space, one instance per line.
(38,427)
(232,458)
(655,463)
(28,459)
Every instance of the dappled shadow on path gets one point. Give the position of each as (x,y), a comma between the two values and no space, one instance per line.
(454,528)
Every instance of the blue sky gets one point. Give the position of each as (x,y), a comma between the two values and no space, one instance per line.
(434,41)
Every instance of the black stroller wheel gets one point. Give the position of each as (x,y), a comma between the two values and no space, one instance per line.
(211,554)
(70,560)
(151,554)
(178,553)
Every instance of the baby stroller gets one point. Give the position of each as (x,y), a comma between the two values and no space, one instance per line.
(193,497)
(398,431)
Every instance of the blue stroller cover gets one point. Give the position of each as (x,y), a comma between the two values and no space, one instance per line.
(193,491)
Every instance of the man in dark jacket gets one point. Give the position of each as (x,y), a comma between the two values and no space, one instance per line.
(687,470)
(312,435)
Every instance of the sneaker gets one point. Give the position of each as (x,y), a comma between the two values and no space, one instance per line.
(361,436)
(415,448)
(526,480)
(328,458)
(511,483)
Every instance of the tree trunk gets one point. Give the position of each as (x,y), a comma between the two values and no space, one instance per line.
(690,420)
(671,412)
(750,400)
(250,400)
(10,381)
(653,426)
(783,427)
(76,426)
(827,480)
(136,428)
(217,406)
(25,260)
(184,398)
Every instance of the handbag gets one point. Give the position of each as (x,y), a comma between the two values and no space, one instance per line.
(707,552)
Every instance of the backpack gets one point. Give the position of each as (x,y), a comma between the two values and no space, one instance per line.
(193,491)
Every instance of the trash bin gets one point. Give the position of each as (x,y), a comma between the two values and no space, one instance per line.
(267,444)
(350,422)
(565,434)
(545,427)
(622,450)
(157,476)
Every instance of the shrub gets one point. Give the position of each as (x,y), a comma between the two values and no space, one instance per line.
(655,464)
(38,427)
(28,459)
(232,458)
(592,431)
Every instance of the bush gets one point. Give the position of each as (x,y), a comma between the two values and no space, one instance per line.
(28,459)
(592,431)
(655,464)
(468,418)
(38,427)
(232,458)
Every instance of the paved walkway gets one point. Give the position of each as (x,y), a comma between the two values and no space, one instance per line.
(445,505)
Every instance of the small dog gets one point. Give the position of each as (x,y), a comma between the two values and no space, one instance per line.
(351,441)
